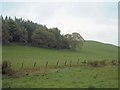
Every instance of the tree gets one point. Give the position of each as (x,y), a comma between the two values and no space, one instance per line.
(26,31)
(43,38)
(64,43)
(1,18)
(74,39)
(13,30)
(6,37)
(23,35)
(58,37)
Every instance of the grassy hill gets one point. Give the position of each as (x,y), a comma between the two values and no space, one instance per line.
(91,50)
(74,77)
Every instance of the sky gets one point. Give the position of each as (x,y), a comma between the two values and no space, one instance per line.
(96,21)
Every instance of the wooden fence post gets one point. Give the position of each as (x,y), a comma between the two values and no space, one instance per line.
(57,63)
(46,64)
(22,65)
(34,64)
(70,62)
(77,61)
(45,69)
(65,63)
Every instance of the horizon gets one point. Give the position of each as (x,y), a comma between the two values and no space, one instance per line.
(76,17)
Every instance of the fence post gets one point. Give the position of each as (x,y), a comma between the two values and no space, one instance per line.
(77,61)
(70,62)
(65,63)
(34,64)
(46,64)
(22,65)
(45,68)
(57,63)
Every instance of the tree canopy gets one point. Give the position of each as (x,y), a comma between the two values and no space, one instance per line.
(28,32)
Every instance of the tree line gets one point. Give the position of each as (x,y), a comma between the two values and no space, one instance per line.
(27,32)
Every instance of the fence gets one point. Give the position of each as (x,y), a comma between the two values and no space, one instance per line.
(72,63)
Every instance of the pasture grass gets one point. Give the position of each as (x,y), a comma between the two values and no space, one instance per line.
(28,55)
(75,77)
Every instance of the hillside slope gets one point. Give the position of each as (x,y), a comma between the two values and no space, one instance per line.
(91,51)
(100,49)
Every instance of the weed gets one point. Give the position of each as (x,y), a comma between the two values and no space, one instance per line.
(6,68)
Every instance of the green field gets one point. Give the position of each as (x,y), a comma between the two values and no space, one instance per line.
(28,55)
(75,77)
(81,77)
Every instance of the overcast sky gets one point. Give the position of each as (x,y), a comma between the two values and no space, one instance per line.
(93,20)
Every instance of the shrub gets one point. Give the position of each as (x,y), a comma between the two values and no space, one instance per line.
(119,62)
(91,87)
(114,62)
(94,63)
(89,63)
(6,68)
(103,63)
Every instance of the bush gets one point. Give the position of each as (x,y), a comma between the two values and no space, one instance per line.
(94,63)
(119,62)
(103,63)
(6,68)
(91,87)
(114,62)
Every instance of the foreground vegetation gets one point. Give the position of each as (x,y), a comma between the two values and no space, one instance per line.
(35,67)
(75,77)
